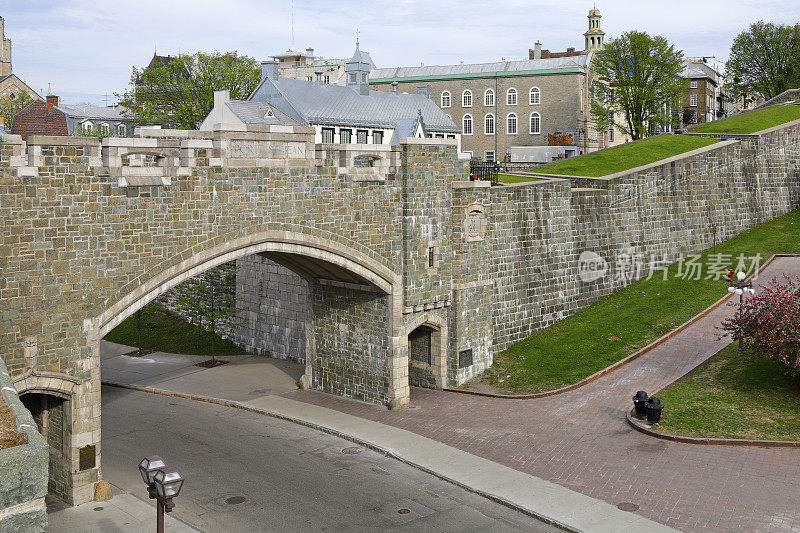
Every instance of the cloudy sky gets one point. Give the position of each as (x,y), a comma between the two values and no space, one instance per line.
(86,48)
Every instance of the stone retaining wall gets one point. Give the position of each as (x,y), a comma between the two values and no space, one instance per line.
(23,470)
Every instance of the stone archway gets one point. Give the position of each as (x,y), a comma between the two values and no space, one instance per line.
(57,406)
(425,343)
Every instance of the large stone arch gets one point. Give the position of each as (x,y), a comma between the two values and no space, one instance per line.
(295,243)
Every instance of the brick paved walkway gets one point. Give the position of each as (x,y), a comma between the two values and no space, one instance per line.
(581,440)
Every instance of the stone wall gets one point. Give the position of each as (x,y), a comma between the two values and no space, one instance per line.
(23,470)
(275,307)
(540,232)
(351,351)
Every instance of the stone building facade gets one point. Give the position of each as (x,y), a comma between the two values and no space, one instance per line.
(513,103)
(413,275)
(704,99)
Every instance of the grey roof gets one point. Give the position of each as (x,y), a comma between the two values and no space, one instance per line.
(96,112)
(320,103)
(256,113)
(695,70)
(580,61)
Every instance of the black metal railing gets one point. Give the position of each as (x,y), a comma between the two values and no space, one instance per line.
(484,170)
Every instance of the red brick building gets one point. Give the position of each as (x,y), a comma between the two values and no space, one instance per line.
(40,118)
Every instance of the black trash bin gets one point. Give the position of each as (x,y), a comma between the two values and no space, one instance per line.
(653,408)
(638,403)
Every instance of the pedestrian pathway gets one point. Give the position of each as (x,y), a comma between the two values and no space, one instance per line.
(124,513)
(580,440)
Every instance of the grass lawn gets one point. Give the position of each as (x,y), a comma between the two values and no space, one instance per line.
(733,396)
(626,156)
(632,317)
(163,331)
(751,122)
(508,178)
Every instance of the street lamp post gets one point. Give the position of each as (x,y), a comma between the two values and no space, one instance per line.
(740,287)
(163,484)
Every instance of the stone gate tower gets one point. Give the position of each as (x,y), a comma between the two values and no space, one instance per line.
(5,50)
(594,35)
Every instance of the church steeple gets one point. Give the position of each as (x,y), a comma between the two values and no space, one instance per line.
(594,35)
(5,51)
(357,71)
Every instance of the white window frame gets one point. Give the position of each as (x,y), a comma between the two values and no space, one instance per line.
(581,97)
(486,122)
(445,103)
(692,100)
(486,156)
(471,155)
(326,79)
(511,96)
(693,84)
(87,125)
(488,97)
(534,96)
(466,98)
(464,124)
(538,118)
(122,129)
(512,117)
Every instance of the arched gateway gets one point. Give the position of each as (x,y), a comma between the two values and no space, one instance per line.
(91,233)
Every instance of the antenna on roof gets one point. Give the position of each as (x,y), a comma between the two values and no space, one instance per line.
(357,32)
(49,92)
(292,24)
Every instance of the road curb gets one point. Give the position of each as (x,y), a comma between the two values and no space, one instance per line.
(352,438)
(621,362)
(644,428)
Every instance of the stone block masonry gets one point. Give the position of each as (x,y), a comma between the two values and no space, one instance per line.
(89,234)
(275,304)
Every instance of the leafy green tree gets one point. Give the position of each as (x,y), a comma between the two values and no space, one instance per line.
(209,301)
(180,93)
(765,59)
(11,106)
(637,85)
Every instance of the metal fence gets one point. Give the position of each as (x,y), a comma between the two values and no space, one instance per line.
(484,170)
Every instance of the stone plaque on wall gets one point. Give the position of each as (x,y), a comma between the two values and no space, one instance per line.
(465,358)
(475,223)
(244,149)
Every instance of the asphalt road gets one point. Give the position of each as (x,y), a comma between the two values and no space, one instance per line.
(292,478)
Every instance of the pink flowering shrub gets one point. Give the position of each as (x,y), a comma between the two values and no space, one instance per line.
(769,322)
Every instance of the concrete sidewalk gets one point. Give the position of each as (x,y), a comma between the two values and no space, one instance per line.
(254,384)
(124,513)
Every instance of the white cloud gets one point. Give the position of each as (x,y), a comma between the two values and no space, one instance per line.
(90,47)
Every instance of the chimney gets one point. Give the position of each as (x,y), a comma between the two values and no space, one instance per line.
(571,49)
(220,97)
(52,100)
(394,86)
(537,50)
(269,69)
(423,90)
(319,75)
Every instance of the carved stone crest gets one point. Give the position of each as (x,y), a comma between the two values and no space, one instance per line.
(475,222)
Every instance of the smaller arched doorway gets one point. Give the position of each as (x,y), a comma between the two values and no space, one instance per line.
(52,413)
(427,360)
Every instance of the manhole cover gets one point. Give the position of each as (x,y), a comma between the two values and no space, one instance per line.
(235,500)
(403,511)
(352,450)
(97,509)
(627,506)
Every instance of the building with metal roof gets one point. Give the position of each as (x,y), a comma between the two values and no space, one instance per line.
(351,114)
